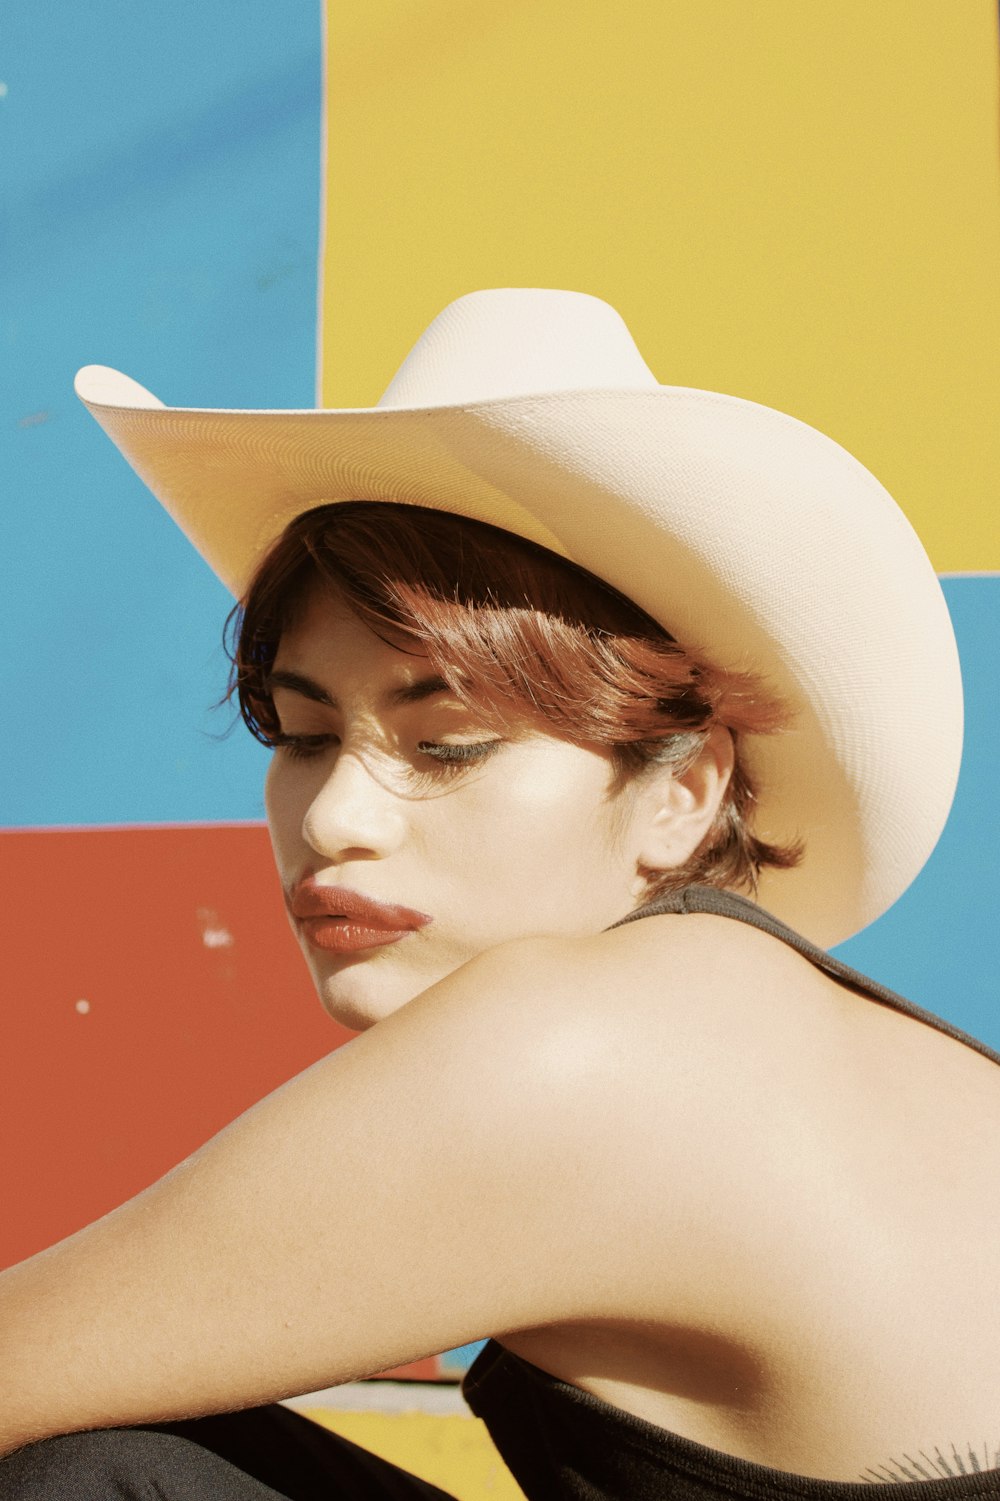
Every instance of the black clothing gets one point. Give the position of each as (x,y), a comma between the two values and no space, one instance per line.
(559,1442)
(563,1444)
(728,904)
(262,1454)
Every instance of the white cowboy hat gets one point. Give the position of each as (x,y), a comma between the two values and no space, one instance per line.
(750,536)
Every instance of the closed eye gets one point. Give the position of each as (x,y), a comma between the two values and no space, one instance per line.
(459,754)
(302,747)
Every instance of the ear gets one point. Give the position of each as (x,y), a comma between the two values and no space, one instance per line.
(678,809)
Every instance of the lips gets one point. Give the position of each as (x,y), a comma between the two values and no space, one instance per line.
(340,920)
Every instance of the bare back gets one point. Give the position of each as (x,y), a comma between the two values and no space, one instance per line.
(833,1308)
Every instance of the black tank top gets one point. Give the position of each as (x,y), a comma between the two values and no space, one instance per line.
(563,1444)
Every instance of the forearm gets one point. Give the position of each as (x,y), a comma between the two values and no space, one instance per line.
(249,1272)
(192,1297)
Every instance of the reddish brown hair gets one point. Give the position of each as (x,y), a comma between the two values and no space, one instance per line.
(504,621)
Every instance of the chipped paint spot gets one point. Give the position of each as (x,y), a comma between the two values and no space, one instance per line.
(217,938)
(34,419)
(82,1007)
(214,933)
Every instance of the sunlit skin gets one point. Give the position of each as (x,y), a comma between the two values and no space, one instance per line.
(534,835)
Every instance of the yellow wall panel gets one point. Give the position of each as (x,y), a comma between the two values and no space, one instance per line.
(453,1452)
(794,202)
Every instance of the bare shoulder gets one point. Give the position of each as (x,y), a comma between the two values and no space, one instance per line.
(634,1071)
(660,981)
(630,1040)
(596,1042)
(580,1095)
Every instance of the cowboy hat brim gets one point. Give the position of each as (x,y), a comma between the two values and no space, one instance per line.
(754,539)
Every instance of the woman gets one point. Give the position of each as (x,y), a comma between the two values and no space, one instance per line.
(550,656)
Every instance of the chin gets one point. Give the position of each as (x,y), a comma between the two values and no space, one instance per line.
(359,993)
(352,1012)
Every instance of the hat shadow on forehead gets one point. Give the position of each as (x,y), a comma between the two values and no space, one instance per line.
(754,539)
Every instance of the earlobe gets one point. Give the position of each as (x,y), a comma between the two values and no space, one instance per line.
(682,807)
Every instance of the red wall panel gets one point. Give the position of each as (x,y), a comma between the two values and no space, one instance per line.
(153,990)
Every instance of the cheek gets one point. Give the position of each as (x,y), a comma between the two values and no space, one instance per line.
(565,798)
(545,813)
(284,809)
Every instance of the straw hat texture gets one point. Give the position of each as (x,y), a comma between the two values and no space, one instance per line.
(753,538)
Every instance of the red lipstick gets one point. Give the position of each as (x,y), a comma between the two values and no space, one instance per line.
(342,921)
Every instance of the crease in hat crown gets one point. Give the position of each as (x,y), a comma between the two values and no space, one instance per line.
(512,341)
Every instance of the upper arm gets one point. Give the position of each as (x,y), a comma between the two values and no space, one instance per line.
(472,1164)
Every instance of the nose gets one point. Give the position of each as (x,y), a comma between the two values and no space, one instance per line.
(353,815)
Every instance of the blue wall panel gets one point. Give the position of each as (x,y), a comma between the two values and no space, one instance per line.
(940,943)
(159,211)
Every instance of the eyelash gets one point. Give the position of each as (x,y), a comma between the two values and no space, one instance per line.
(459,755)
(453,757)
(299,747)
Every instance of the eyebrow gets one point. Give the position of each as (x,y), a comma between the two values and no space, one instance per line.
(408,693)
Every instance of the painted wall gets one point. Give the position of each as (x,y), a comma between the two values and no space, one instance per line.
(160,212)
(813,225)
